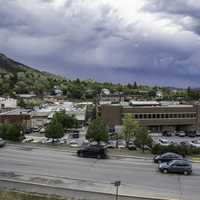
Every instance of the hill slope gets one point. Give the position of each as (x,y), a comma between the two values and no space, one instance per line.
(8,65)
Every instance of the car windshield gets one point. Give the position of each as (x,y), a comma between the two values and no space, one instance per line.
(171,162)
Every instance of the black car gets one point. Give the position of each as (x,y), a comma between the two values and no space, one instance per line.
(191,134)
(2,142)
(94,151)
(176,166)
(166,157)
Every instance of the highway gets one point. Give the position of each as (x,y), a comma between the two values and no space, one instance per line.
(138,177)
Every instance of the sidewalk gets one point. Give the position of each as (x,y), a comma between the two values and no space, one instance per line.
(97,187)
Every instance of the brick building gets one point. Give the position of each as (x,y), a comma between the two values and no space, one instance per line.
(155,116)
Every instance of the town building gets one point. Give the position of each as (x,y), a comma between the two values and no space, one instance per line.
(156,116)
(7,104)
(18,116)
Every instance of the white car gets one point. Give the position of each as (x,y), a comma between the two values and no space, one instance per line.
(181,134)
(163,142)
(121,144)
(195,143)
(27,140)
(197,134)
(74,143)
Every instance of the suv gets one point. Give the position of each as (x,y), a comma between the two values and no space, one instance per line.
(94,151)
(2,142)
(176,166)
(167,157)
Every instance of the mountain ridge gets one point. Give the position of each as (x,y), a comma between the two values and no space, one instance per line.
(9,65)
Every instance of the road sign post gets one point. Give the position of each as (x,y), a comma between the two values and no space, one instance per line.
(117,184)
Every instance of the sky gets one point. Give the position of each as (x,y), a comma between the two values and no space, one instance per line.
(155,42)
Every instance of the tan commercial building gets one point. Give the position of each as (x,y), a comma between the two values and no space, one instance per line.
(155,116)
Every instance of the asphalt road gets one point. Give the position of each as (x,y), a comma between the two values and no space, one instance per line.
(139,177)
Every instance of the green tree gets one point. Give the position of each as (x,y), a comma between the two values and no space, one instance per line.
(11,132)
(97,131)
(129,127)
(21,103)
(67,121)
(143,138)
(54,130)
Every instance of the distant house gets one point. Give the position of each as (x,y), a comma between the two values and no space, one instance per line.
(105,91)
(57,91)
(159,94)
(7,104)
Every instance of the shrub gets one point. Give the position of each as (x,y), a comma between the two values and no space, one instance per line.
(179,149)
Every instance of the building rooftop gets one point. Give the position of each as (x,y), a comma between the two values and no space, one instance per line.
(17,112)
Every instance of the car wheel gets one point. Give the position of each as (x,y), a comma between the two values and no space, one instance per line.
(98,156)
(165,171)
(185,173)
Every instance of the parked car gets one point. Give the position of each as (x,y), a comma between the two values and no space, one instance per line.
(75,135)
(167,157)
(185,143)
(198,134)
(164,142)
(35,130)
(2,142)
(181,134)
(74,143)
(167,133)
(191,134)
(121,144)
(111,144)
(28,130)
(176,166)
(27,140)
(132,146)
(94,151)
(195,143)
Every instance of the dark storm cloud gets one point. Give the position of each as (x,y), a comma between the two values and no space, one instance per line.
(91,39)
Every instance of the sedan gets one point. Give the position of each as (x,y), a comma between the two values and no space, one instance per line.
(2,142)
(167,157)
(176,166)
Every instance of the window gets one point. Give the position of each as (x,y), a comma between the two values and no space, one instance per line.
(166,116)
(154,116)
(158,116)
(145,116)
(162,116)
(140,116)
(150,116)
(136,116)
(183,115)
(175,115)
(170,115)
